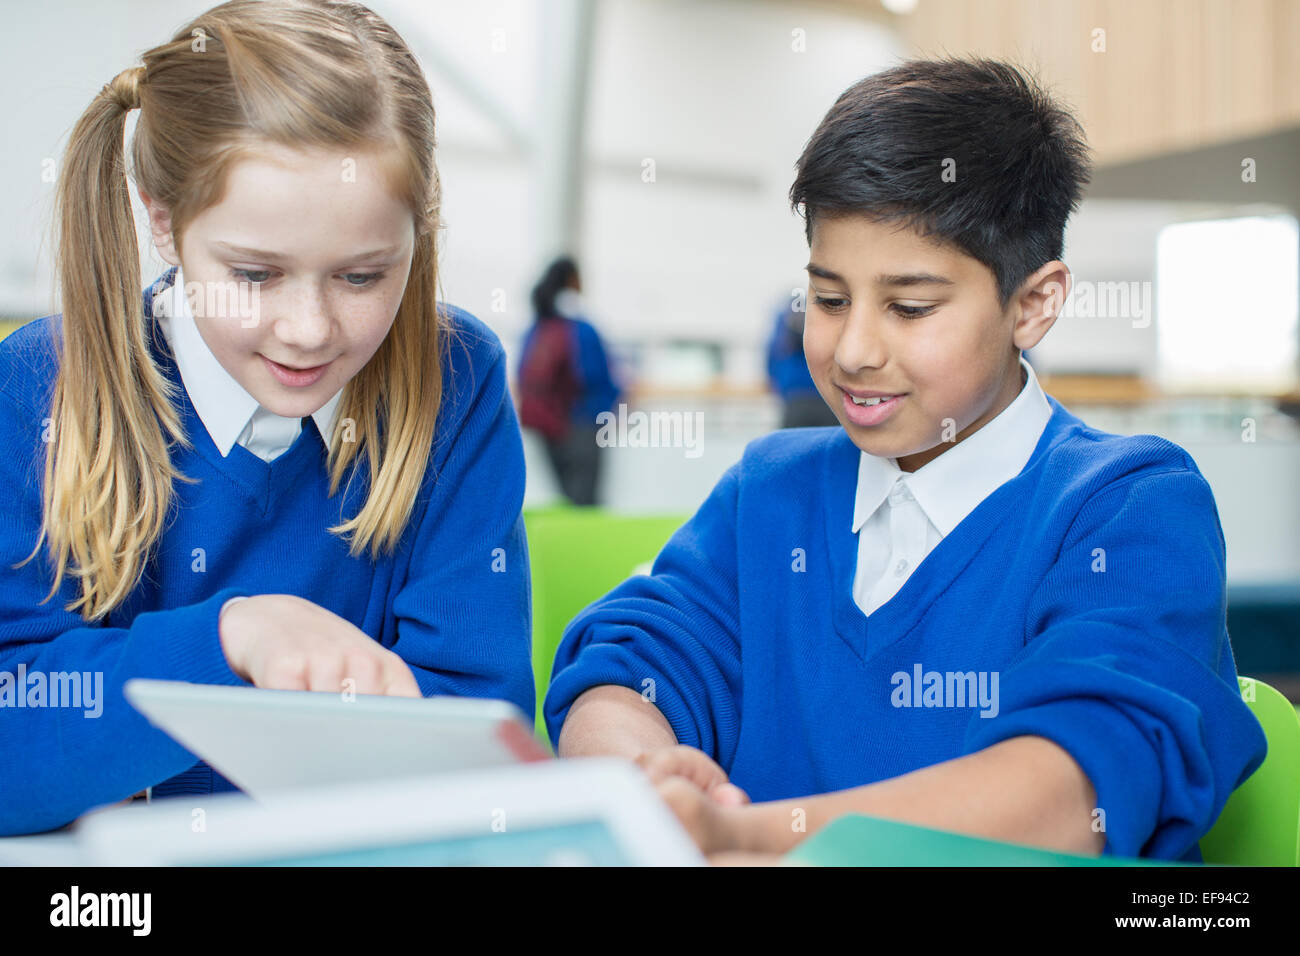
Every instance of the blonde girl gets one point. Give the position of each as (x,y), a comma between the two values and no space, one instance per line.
(284,463)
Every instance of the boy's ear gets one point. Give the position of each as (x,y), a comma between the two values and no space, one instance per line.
(160,228)
(1038,303)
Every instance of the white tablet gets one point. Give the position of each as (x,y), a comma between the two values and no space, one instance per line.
(591,811)
(269,741)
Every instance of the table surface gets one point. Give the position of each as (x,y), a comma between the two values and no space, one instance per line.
(850,841)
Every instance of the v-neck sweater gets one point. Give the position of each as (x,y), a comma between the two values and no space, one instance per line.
(1082,601)
(452,599)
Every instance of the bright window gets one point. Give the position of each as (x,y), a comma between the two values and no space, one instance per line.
(1226,303)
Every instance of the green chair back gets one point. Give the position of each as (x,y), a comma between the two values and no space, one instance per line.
(1260,824)
(578,555)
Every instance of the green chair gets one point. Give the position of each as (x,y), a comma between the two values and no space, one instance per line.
(1260,824)
(578,555)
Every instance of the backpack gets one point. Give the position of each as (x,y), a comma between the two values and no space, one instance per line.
(548,380)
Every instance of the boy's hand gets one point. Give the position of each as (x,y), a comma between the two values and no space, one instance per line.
(695,766)
(715,828)
(285,642)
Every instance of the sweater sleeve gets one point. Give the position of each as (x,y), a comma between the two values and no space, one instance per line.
(1127,666)
(69,740)
(672,636)
(463,613)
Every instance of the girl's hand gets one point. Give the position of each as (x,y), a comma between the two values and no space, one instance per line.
(695,766)
(285,642)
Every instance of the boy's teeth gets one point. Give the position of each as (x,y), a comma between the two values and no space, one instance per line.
(866,401)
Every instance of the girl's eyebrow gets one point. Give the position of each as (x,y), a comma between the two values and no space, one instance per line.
(278,257)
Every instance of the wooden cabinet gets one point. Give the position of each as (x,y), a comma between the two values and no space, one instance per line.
(1173,75)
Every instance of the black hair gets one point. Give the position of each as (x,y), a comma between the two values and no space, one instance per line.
(1022,161)
(558,276)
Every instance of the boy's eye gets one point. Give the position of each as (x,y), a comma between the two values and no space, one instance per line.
(911,311)
(830,303)
(366,278)
(255,276)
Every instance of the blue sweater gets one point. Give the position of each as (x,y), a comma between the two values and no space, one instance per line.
(453,601)
(747,638)
(591,361)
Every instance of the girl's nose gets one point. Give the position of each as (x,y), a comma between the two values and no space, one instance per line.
(306,322)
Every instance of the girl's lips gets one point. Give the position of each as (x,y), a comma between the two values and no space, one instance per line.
(867,415)
(296,378)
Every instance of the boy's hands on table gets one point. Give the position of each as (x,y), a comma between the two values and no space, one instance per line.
(713,810)
(720,826)
(694,766)
(612,720)
(285,642)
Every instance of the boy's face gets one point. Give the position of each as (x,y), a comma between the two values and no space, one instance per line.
(892,312)
(326,295)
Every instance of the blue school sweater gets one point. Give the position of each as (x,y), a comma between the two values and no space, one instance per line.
(1082,601)
(453,600)
(787,366)
(591,361)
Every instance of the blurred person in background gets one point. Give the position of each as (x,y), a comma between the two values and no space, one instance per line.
(787,370)
(565,381)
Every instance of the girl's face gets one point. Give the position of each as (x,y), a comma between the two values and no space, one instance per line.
(295,277)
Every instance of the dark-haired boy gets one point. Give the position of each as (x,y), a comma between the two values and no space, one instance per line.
(965,608)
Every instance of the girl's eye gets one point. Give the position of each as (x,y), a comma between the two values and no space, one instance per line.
(912,311)
(358,280)
(830,303)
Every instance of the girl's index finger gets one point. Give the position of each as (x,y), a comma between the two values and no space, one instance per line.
(401,682)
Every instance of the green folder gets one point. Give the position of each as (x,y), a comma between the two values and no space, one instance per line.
(856,840)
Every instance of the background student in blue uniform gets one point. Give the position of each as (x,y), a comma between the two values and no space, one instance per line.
(565,381)
(964,608)
(339,451)
(802,405)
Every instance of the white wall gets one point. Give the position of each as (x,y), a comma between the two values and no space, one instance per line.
(713,92)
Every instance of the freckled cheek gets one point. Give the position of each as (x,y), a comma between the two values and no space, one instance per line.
(229,339)
(249,339)
(366,330)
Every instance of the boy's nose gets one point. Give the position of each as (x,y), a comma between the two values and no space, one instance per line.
(860,344)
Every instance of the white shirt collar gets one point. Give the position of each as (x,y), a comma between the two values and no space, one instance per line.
(949,487)
(223,405)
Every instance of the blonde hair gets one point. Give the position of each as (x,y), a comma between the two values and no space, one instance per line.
(298,73)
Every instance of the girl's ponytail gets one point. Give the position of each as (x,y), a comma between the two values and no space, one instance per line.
(124,89)
(108,478)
